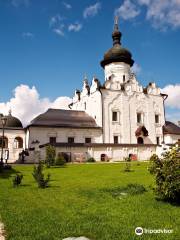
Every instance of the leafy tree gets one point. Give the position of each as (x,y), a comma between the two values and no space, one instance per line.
(167,175)
(50,156)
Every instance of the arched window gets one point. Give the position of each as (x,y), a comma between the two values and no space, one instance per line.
(4,142)
(140,140)
(18,142)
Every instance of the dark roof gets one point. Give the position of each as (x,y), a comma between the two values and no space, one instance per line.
(64,118)
(117,53)
(12,122)
(171,128)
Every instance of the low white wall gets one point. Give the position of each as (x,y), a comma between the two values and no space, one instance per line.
(171,138)
(113,153)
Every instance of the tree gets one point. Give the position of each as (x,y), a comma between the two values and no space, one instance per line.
(39,176)
(50,156)
(167,175)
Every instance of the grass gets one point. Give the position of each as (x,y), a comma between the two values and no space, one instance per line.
(76,204)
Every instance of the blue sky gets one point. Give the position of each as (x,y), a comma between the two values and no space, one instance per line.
(51,44)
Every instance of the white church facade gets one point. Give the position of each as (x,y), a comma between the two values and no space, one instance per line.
(104,121)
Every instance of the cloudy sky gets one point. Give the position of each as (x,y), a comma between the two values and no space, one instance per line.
(47,46)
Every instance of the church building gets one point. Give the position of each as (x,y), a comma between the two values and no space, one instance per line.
(107,120)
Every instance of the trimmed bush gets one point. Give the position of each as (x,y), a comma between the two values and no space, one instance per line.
(167,175)
(127,165)
(60,161)
(50,156)
(91,160)
(17,180)
(7,167)
(39,176)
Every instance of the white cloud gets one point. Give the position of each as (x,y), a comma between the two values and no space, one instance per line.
(173,100)
(162,14)
(146,2)
(136,68)
(92,10)
(76,27)
(67,5)
(27,104)
(27,35)
(59,30)
(55,20)
(57,25)
(127,10)
(17,3)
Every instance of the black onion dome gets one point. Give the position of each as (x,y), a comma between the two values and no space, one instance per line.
(117,53)
(12,122)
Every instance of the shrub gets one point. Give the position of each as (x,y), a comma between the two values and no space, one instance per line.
(39,176)
(128,164)
(50,156)
(60,161)
(91,160)
(154,163)
(167,175)
(1,167)
(5,167)
(17,180)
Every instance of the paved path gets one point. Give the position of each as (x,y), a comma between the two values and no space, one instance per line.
(2,231)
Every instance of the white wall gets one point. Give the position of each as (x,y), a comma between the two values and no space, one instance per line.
(90,103)
(171,138)
(11,135)
(127,107)
(43,134)
(115,71)
(128,99)
(113,153)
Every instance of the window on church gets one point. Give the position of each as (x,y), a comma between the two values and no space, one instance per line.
(84,105)
(115,139)
(52,140)
(156,118)
(87,140)
(140,140)
(157,140)
(18,142)
(70,139)
(114,116)
(124,78)
(4,142)
(139,117)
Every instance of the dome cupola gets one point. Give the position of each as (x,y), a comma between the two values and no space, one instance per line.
(117,53)
(12,122)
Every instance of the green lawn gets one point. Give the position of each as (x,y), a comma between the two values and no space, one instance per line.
(77,204)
